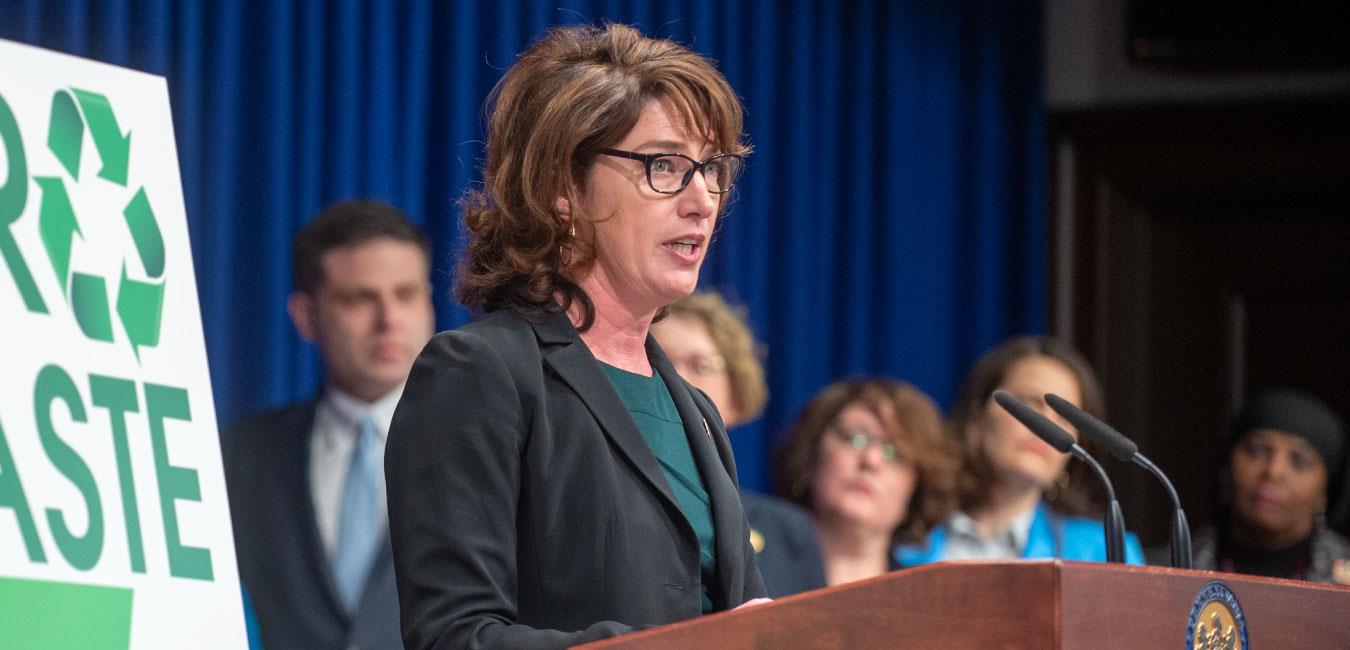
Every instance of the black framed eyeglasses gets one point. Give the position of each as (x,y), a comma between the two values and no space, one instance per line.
(670,173)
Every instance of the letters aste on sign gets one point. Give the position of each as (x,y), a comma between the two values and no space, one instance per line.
(116,397)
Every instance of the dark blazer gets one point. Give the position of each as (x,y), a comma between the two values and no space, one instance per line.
(276,538)
(786,549)
(526,509)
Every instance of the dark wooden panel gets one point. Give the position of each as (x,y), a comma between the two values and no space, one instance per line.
(1107,606)
(1027,604)
(965,605)
(1209,255)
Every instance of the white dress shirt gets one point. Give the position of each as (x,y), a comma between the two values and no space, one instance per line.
(337,423)
(964,541)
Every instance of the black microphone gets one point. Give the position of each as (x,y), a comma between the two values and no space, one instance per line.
(1125,449)
(1112,520)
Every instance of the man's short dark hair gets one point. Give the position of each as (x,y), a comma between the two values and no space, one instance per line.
(343,224)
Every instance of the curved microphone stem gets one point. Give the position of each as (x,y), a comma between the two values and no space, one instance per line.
(1181,530)
(1112,520)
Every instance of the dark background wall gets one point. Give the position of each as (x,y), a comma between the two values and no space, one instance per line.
(1200,195)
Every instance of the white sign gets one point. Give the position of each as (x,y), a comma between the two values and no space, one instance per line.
(114,525)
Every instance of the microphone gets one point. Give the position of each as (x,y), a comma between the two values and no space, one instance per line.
(1112,520)
(1125,449)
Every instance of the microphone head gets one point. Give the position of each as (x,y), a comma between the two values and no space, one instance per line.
(1040,425)
(1100,432)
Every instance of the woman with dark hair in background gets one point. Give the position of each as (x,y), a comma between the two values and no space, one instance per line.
(551,478)
(1286,458)
(870,460)
(1019,497)
(711,346)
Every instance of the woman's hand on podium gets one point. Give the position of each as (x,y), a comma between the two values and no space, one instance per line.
(754,601)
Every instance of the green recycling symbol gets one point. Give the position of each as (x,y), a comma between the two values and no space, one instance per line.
(140,304)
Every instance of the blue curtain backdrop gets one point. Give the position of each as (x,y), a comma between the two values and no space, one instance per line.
(891,221)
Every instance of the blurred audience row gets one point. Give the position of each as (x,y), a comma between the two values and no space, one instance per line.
(870,478)
(888,483)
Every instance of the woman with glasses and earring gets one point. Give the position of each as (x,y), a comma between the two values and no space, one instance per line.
(712,347)
(551,478)
(870,460)
(1285,469)
(1019,498)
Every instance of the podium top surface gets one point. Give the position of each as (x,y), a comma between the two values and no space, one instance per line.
(1016,604)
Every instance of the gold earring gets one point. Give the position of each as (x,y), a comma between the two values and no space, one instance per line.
(565,254)
(1059,487)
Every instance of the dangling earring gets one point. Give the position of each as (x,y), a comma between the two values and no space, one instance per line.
(1059,488)
(565,253)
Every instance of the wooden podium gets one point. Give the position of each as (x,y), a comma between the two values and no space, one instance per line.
(1023,604)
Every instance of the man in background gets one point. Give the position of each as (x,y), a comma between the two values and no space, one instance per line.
(306,481)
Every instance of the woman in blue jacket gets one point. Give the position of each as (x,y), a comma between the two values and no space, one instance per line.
(1019,498)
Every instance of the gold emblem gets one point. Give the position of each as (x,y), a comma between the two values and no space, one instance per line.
(1221,633)
(756,540)
(1216,620)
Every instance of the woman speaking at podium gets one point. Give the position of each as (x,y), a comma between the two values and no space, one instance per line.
(551,479)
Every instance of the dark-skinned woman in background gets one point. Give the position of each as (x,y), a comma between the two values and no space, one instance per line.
(1285,461)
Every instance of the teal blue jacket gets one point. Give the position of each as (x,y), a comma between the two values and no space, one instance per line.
(1052,536)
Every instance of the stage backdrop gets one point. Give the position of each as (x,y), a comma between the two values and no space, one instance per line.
(891,221)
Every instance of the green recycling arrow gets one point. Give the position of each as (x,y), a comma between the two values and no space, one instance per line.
(65,134)
(145,232)
(139,307)
(89,301)
(114,149)
(58,227)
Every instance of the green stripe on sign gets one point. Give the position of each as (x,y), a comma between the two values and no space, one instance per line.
(41,614)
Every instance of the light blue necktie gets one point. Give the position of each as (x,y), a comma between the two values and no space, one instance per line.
(358,522)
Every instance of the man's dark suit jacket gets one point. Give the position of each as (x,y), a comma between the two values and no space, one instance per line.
(525,507)
(276,538)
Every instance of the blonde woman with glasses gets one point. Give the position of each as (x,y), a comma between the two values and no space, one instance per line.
(711,346)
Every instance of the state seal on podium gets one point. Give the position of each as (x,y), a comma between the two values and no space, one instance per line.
(1216,621)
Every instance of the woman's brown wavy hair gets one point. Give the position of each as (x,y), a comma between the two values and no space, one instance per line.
(914,424)
(576,91)
(1077,491)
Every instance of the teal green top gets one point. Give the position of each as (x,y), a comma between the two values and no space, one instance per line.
(648,401)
